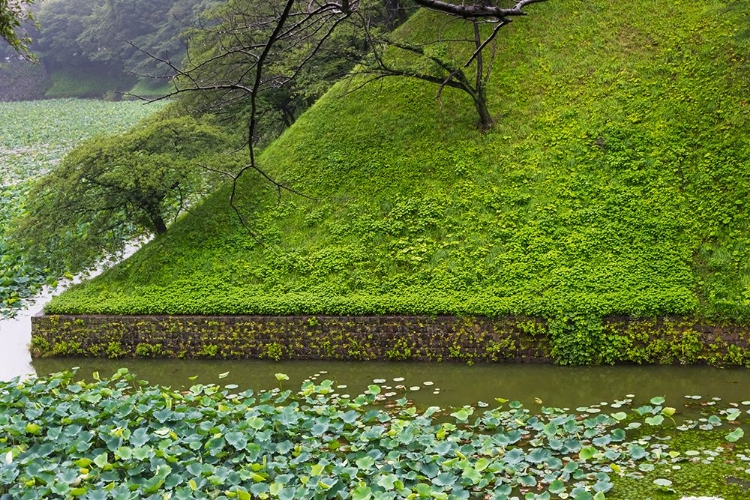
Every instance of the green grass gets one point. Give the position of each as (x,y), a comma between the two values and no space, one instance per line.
(614,182)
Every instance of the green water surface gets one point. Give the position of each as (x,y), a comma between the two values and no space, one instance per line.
(455,384)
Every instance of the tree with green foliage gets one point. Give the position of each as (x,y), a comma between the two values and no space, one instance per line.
(13,15)
(111,189)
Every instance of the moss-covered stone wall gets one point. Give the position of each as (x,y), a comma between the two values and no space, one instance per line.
(295,337)
(442,338)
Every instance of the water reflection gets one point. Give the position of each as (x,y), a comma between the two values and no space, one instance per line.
(457,384)
(15,335)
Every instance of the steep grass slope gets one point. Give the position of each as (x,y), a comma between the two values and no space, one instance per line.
(616,181)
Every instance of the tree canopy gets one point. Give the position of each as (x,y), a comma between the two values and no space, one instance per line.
(114,188)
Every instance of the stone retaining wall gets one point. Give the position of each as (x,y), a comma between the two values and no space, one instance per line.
(295,337)
(441,338)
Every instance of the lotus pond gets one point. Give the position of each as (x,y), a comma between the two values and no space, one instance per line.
(117,437)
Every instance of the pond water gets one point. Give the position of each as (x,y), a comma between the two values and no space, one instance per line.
(438,383)
(15,335)
(443,384)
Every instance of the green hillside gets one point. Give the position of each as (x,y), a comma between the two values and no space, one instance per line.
(615,181)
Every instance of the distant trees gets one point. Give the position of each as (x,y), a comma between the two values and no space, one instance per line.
(106,35)
(314,47)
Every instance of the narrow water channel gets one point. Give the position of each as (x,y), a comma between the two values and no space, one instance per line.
(443,384)
(15,333)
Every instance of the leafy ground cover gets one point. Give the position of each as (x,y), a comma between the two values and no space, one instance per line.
(34,137)
(121,438)
(614,182)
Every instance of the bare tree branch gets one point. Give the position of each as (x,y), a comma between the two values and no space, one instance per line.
(255,49)
(477,10)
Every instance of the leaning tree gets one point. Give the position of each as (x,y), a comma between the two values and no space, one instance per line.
(110,190)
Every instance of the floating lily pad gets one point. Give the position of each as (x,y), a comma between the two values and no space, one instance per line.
(735,435)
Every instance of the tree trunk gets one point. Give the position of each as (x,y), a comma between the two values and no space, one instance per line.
(159,225)
(485,118)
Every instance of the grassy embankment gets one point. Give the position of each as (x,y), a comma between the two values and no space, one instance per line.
(615,181)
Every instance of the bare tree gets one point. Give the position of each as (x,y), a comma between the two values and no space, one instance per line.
(252,48)
(251,39)
(445,71)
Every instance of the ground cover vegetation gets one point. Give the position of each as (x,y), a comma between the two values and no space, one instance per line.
(122,438)
(34,137)
(612,182)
